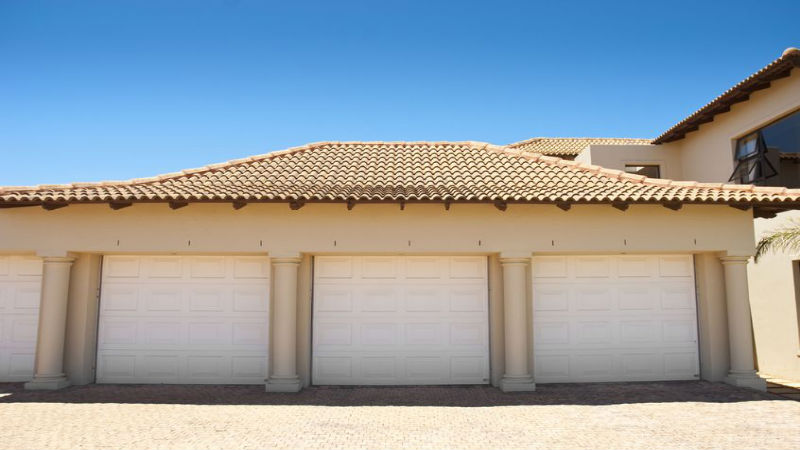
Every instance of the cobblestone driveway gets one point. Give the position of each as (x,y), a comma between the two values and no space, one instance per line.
(646,415)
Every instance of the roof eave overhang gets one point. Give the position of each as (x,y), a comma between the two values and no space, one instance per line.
(760,208)
(780,68)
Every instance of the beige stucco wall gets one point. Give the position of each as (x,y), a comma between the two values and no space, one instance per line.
(88,231)
(774,300)
(82,309)
(617,156)
(707,154)
(496,335)
(305,281)
(330,228)
(712,317)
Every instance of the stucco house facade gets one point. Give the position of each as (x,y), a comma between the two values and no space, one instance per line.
(703,147)
(387,263)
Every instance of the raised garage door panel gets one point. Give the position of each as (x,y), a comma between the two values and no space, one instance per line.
(20,292)
(183,319)
(400,320)
(614,318)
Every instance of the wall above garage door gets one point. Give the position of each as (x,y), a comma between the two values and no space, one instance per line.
(400,320)
(614,318)
(183,319)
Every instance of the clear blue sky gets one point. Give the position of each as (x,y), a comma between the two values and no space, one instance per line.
(123,89)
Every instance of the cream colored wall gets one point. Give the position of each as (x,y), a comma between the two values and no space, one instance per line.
(617,156)
(774,303)
(305,282)
(496,319)
(712,317)
(82,308)
(91,230)
(707,154)
(321,228)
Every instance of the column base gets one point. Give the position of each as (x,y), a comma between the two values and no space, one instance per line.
(47,383)
(283,384)
(748,379)
(517,384)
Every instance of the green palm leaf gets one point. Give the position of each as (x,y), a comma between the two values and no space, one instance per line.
(785,239)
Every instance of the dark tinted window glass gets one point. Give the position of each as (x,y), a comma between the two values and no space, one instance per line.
(771,155)
(648,170)
(783,136)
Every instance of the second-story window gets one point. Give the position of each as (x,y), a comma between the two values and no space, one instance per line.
(770,156)
(648,170)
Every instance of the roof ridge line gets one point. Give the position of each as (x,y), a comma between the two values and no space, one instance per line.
(565,138)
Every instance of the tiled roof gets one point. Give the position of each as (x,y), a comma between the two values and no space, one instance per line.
(780,68)
(570,146)
(398,171)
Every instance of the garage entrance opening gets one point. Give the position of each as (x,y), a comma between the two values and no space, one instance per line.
(20,292)
(400,320)
(183,319)
(614,318)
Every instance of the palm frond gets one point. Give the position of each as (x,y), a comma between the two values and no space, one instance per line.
(785,239)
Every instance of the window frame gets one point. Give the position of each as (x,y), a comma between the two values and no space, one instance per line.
(771,120)
(659,166)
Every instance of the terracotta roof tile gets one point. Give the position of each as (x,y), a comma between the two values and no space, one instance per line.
(400,171)
(570,146)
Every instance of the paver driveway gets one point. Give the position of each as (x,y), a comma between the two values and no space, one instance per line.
(646,415)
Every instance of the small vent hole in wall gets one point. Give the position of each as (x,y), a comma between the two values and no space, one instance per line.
(117,242)
(480,243)
(334,243)
(261,243)
(189,243)
(552,243)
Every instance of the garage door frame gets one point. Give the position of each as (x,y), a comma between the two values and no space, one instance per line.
(487,329)
(618,282)
(253,272)
(20,296)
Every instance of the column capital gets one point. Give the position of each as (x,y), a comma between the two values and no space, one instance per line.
(58,259)
(516,254)
(734,259)
(515,257)
(285,257)
(514,261)
(283,260)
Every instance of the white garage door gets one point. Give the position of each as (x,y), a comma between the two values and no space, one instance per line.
(400,320)
(614,318)
(20,291)
(183,319)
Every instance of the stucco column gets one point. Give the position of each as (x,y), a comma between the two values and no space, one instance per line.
(49,365)
(740,331)
(283,371)
(517,376)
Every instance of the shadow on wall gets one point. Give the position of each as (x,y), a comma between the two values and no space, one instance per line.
(456,396)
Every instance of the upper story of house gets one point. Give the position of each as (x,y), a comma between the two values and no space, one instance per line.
(748,135)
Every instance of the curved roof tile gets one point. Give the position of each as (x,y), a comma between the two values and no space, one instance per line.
(570,146)
(400,171)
